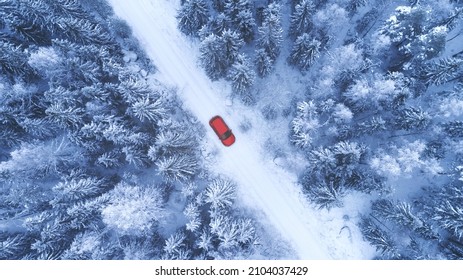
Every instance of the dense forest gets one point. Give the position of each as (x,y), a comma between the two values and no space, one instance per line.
(381,109)
(98,160)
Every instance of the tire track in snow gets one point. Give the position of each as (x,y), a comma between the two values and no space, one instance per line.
(274,192)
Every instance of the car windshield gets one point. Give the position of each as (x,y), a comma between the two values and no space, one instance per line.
(226,135)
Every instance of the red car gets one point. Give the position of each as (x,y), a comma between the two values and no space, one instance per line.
(221,129)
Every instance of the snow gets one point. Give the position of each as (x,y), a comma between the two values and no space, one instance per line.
(262,185)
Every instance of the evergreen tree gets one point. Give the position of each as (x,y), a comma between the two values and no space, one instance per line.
(147,109)
(324,194)
(212,58)
(178,167)
(242,75)
(271,31)
(245,24)
(175,248)
(13,61)
(68,8)
(305,124)
(413,118)
(83,31)
(172,141)
(220,193)
(454,129)
(234,7)
(263,63)
(450,217)
(231,44)
(301,19)
(305,51)
(347,155)
(414,34)
(75,189)
(133,209)
(193,15)
(379,238)
(375,124)
(218,24)
(442,71)
(13,247)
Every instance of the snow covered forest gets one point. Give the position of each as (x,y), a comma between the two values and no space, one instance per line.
(361,99)
(97,159)
(378,110)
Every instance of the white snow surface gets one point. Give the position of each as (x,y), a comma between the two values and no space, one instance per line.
(271,191)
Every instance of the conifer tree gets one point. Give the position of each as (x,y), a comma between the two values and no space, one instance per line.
(231,43)
(454,129)
(178,167)
(245,24)
(264,63)
(242,75)
(378,238)
(271,31)
(133,209)
(305,51)
(443,70)
(212,58)
(220,193)
(234,7)
(193,15)
(449,215)
(413,118)
(301,19)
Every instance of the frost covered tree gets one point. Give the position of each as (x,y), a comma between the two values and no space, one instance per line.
(13,247)
(301,19)
(379,238)
(193,15)
(306,124)
(442,71)
(412,118)
(330,18)
(83,31)
(347,155)
(271,32)
(231,44)
(377,92)
(220,193)
(148,109)
(374,125)
(172,141)
(233,7)
(305,51)
(177,167)
(264,63)
(13,61)
(75,188)
(412,31)
(245,24)
(217,25)
(133,209)
(175,247)
(324,194)
(242,75)
(454,129)
(449,215)
(38,159)
(212,58)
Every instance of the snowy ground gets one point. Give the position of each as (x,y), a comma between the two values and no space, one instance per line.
(263,186)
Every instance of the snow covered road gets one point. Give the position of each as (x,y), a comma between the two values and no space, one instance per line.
(263,186)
